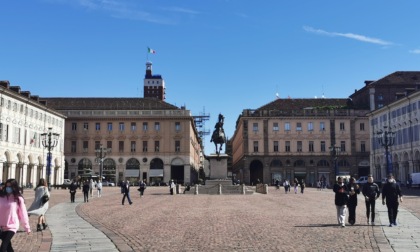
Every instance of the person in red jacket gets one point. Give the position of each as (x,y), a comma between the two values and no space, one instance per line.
(12,210)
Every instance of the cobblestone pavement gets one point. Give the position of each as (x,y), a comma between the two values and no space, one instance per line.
(273,222)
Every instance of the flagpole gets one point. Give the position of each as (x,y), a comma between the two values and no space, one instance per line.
(147,54)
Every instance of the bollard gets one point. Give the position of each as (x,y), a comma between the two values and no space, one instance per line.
(265,189)
(196,190)
(243,188)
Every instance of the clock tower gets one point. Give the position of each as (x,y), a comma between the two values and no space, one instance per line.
(154,85)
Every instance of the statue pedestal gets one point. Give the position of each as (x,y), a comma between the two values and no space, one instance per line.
(218,166)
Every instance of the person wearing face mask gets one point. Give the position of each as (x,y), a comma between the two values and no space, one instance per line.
(371,192)
(391,191)
(341,199)
(12,210)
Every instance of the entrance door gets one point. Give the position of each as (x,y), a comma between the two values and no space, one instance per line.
(256,172)
(177,173)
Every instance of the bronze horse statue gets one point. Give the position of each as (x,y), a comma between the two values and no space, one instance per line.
(218,136)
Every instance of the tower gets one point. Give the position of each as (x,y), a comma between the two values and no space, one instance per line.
(154,85)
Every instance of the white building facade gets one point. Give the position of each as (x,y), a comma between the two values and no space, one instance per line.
(23,118)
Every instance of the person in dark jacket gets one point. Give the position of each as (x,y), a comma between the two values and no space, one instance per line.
(391,191)
(353,190)
(371,192)
(341,199)
(125,189)
(86,189)
(72,189)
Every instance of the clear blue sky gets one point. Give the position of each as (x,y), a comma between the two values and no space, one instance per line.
(217,56)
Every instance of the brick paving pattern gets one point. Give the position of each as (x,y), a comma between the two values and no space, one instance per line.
(273,222)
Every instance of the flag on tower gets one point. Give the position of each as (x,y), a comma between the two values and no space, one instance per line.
(150,50)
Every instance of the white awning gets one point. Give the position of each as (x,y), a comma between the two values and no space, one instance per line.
(156,173)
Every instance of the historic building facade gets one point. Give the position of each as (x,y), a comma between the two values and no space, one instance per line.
(402,118)
(23,118)
(146,139)
(291,138)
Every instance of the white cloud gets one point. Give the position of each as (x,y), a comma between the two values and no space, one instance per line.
(348,35)
(182,10)
(415,51)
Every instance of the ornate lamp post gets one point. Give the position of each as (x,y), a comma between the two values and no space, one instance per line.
(335,151)
(386,139)
(100,155)
(49,141)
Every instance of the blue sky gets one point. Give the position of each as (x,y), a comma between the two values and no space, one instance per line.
(216,56)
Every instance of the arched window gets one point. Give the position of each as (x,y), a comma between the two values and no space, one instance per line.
(343,163)
(299,162)
(84,166)
(132,164)
(156,163)
(323,163)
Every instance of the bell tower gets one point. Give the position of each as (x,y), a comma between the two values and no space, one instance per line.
(154,85)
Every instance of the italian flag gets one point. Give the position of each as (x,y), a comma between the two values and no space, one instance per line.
(150,50)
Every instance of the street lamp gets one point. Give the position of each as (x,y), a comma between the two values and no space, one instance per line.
(49,141)
(386,139)
(335,151)
(100,155)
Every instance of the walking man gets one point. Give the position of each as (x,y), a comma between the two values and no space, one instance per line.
(391,191)
(371,192)
(126,191)
(340,201)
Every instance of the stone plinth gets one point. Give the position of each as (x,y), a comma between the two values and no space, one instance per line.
(218,166)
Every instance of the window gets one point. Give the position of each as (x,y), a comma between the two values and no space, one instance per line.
(1,131)
(109,144)
(275,126)
(287,146)
(255,146)
(109,126)
(85,146)
(145,126)
(85,126)
(97,126)
(362,146)
(362,127)
(144,146)
(299,146)
(177,146)
(343,146)
(133,146)
(156,146)
(133,126)
(157,126)
(287,126)
(321,126)
(311,146)
(310,126)
(121,146)
(74,126)
(17,135)
(380,97)
(255,127)
(73,147)
(299,126)
(276,146)
(342,126)
(177,126)
(121,126)
(322,146)
(97,145)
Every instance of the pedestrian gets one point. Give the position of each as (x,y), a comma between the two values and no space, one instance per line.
(86,189)
(391,191)
(286,185)
(72,189)
(340,201)
(371,192)
(142,187)
(13,211)
(171,187)
(126,191)
(91,186)
(39,207)
(296,183)
(277,184)
(99,188)
(302,186)
(410,182)
(318,185)
(353,190)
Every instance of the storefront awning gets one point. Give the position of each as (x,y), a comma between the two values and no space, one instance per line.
(156,173)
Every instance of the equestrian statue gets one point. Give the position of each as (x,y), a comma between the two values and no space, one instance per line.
(218,136)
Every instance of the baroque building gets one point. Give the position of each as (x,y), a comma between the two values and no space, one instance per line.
(23,118)
(291,138)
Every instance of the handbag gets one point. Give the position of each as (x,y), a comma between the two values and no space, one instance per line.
(45,199)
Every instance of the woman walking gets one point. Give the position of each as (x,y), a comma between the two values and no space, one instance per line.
(13,210)
(38,207)
(353,190)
